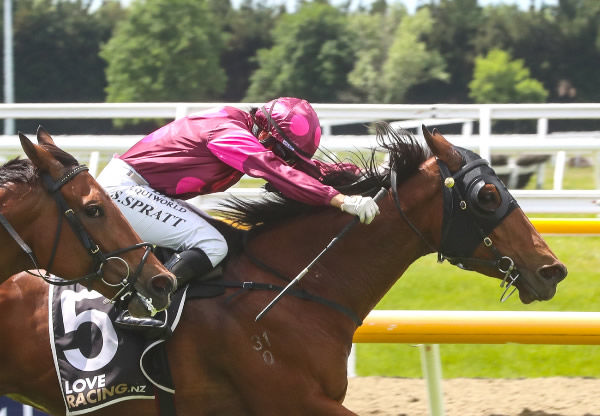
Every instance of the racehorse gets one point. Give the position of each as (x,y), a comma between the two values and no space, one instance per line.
(293,361)
(98,247)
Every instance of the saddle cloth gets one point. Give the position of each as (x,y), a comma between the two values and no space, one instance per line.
(97,363)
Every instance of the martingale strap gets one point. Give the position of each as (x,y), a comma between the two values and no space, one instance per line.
(301,294)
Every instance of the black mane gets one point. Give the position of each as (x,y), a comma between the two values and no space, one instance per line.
(405,156)
(19,170)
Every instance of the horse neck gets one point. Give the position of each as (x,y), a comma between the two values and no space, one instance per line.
(368,260)
(374,257)
(22,206)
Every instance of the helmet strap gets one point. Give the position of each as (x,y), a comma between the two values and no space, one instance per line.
(284,139)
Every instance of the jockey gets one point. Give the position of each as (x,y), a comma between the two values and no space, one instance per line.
(209,152)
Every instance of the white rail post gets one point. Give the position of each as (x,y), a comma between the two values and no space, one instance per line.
(596,161)
(9,83)
(542,128)
(485,130)
(467,129)
(93,165)
(559,169)
(432,372)
(542,132)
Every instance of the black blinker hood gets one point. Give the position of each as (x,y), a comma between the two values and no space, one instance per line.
(465,224)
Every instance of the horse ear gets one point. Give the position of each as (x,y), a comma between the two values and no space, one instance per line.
(442,148)
(40,157)
(43,137)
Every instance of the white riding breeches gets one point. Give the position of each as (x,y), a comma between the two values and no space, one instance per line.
(159,219)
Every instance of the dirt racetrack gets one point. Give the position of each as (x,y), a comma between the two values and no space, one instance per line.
(552,396)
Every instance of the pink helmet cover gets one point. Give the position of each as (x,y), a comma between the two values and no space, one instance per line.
(298,122)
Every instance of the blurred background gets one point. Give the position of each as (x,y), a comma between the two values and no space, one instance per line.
(336,51)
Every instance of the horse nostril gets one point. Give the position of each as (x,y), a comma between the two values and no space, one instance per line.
(555,272)
(163,283)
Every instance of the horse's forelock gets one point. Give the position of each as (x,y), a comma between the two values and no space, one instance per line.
(17,171)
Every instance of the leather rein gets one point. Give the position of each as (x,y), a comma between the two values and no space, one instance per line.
(126,284)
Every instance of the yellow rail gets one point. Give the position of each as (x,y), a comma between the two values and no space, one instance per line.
(480,327)
(567,225)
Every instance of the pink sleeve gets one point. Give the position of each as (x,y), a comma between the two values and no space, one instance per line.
(239,149)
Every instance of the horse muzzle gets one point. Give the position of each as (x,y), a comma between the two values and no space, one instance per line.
(153,297)
(541,285)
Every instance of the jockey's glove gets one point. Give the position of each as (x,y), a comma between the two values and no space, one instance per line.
(362,206)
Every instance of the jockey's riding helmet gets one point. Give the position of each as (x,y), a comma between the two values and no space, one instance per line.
(294,124)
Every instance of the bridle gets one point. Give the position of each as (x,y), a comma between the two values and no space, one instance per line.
(465,223)
(126,285)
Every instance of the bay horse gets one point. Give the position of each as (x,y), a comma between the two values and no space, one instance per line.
(293,361)
(98,247)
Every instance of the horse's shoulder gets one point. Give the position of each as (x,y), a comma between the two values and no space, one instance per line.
(18,287)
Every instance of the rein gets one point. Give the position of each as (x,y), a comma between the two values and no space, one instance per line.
(99,258)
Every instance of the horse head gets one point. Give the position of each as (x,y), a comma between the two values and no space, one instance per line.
(483,228)
(98,247)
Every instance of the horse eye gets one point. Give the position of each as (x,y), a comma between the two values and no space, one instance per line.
(94,211)
(489,198)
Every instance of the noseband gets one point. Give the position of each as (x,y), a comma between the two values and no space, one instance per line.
(126,285)
(465,223)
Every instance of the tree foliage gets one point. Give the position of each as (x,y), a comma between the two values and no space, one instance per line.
(579,50)
(498,79)
(205,50)
(56,45)
(455,27)
(310,57)
(247,30)
(409,61)
(165,50)
(373,36)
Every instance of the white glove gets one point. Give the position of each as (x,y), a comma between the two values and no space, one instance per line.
(362,206)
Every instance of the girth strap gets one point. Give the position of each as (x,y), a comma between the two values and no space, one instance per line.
(299,293)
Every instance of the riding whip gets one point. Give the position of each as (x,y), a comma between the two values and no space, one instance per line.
(346,228)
